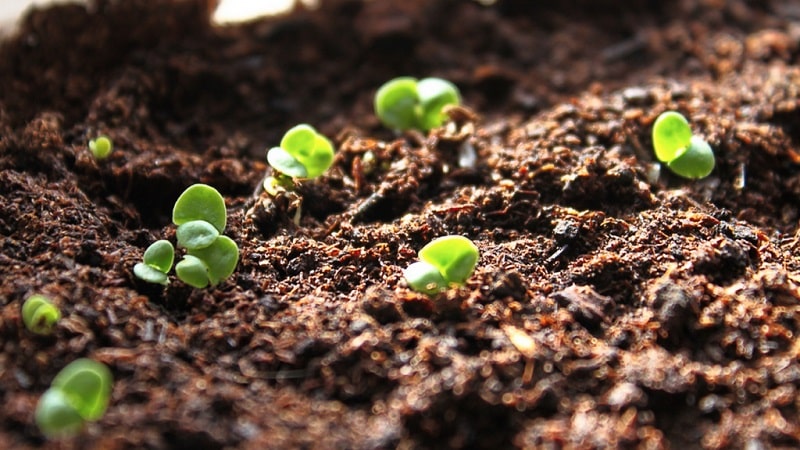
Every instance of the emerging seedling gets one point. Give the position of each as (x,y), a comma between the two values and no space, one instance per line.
(101,147)
(687,155)
(201,216)
(157,262)
(405,103)
(444,261)
(79,393)
(303,153)
(39,314)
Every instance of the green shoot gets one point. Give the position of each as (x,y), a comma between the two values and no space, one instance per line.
(79,393)
(444,261)
(40,315)
(157,262)
(405,103)
(101,147)
(200,202)
(686,155)
(303,153)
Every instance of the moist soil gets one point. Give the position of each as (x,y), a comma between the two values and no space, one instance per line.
(614,305)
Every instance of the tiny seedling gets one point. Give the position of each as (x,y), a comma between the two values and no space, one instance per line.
(303,153)
(405,103)
(687,155)
(444,261)
(210,257)
(39,314)
(79,393)
(101,147)
(157,262)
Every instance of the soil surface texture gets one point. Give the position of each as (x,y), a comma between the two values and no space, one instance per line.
(614,304)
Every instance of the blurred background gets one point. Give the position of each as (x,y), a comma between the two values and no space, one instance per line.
(227,12)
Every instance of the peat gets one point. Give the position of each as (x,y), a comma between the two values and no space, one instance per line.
(612,305)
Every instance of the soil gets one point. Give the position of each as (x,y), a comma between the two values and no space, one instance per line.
(614,305)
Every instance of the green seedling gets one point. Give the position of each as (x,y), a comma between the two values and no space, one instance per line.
(209,265)
(40,315)
(303,153)
(101,147)
(79,393)
(156,263)
(405,103)
(444,261)
(200,202)
(687,155)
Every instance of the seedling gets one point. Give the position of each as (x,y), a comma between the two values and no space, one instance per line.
(687,155)
(101,147)
(39,314)
(405,103)
(79,393)
(210,257)
(303,153)
(444,261)
(157,262)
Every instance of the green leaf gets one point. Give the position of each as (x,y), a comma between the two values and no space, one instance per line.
(320,158)
(285,163)
(196,234)
(671,135)
(200,202)
(55,416)
(396,102)
(39,314)
(299,141)
(434,95)
(101,147)
(87,387)
(160,255)
(424,277)
(454,256)
(697,161)
(150,274)
(192,271)
(220,257)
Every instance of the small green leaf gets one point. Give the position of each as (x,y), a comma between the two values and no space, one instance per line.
(150,274)
(396,102)
(220,257)
(160,255)
(55,416)
(299,141)
(101,147)
(285,163)
(87,387)
(434,95)
(423,277)
(39,314)
(196,234)
(454,256)
(671,135)
(200,202)
(192,271)
(697,161)
(320,159)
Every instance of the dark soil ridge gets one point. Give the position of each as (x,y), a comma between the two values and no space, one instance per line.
(609,308)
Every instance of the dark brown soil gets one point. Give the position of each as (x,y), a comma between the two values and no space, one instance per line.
(611,307)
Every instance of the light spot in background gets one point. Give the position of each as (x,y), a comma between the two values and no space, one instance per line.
(234,11)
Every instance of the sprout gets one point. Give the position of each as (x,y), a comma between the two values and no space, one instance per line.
(101,147)
(687,155)
(157,262)
(210,257)
(405,103)
(39,314)
(79,393)
(444,261)
(303,153)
